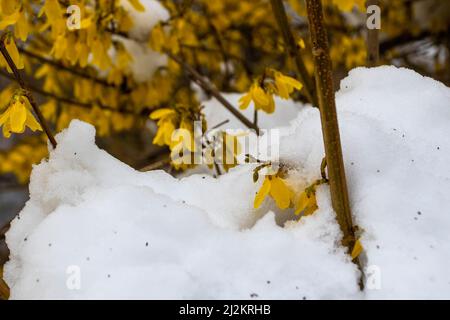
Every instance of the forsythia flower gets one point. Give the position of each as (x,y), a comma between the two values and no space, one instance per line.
(277,188)
(8,7)
(306,202)
(17,117)
(11,47)
(166,125)
(286,85)
(357,249)
(262,100)
(261,92)
(348,5)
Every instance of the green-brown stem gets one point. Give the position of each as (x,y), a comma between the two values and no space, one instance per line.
(330,128)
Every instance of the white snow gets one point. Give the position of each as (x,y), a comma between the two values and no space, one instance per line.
(148,235)
(145,61)
(144,21)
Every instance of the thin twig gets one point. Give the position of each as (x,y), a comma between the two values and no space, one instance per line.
(144,113)
(61,66)
(209,88)
(27,93)
(293,50)
(156,165)
(220,124)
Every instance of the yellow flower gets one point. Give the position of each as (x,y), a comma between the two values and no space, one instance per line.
(11,47)
(17,117)
(357,249)
(286,85)
(166,125)
(261,99)
(9,7)
(157,38)
(22,27)
(277,188)
(306,203)
(348,5)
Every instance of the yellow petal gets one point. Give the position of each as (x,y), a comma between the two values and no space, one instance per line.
(137,5)
(161,113)
(262,193)
(244,101)
(281,193)
(306,203)
(18,117)
(22,28)
(31,122)
(302,203)
(4,117)
(259,96)
(282,89)
(312,205)
(357,249)
(7,130)
(9,6)
(14,53)
(270,107)
(52,10)
(301,43)
(291,82)
(9,20)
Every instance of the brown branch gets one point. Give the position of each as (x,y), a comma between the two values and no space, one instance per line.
(293,50)
(156,165)
(145,112)
(27,93)
(61,66)
(406,38)
(210,89)
(330,127)
(4,290)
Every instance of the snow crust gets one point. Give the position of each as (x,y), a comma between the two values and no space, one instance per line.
(149,235)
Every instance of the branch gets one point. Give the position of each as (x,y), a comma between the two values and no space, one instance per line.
(65,68)
(143,113)
(28,94)
(406,38)
(293,50)
(156,165)
(209,88)
(330,127)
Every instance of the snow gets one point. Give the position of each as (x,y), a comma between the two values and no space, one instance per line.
(145,61)
(144,21)
(149,235)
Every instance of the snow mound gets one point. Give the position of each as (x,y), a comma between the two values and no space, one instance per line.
(132,235)
(149,235)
